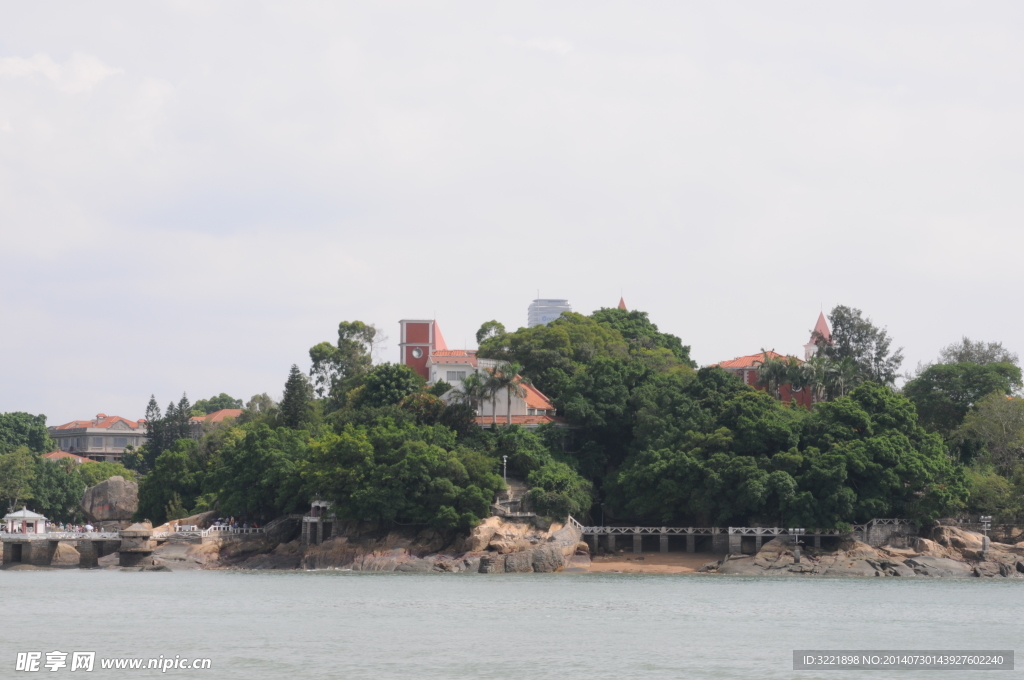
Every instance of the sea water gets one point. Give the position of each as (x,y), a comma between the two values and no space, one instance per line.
(335,624)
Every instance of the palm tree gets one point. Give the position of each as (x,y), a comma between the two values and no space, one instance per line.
(492,385)
(506,377)
(817,370)
(799,375)
(842,376)
(473,391)
(771,373)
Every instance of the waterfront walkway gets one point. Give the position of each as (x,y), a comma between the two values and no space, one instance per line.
(730,539)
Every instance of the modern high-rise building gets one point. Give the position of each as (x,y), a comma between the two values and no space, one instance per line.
(545,311)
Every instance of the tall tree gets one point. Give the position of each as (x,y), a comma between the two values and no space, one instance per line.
(868,346)
(489,329)
(334,366)
(773,373)
(506,377)
(473,391)
(17,472)
(295,407)
(977,352)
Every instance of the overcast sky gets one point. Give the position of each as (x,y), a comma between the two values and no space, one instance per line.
(194,193)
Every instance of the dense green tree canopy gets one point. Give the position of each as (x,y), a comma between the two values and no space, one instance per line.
(24,429)
(853,459)
(968,351)
(17,473)
(94,473)
(57,489)
(171,488)
(221,401)
(641,334)
(945,393)
(389,384)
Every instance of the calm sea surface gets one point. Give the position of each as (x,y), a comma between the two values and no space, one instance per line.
(353,625)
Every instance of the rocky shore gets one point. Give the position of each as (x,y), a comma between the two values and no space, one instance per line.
(949,553)
(495,546)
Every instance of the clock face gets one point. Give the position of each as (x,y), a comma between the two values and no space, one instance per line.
(417,352)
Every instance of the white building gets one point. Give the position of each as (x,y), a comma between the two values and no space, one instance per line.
(25,521)
(102,439)
(543,311)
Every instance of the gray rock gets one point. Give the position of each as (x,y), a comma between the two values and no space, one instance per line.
(741,565)
(926,565)
(492,564)
(547,559)
(112,500)
(520,562)
(849,566)
(415,565)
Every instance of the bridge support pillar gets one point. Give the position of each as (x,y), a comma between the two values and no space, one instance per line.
(663,543)
(595,542)
(638,543)
(720,543)
(13,552)
(691,543)
(610,542)
(757,543)
(89,554)
(817,540)
(735,543)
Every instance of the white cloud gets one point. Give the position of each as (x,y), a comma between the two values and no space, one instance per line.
(80,73)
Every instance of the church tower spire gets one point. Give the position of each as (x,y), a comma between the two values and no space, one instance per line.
(622,304)
(820,329)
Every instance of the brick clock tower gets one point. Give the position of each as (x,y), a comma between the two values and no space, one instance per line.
(418,339)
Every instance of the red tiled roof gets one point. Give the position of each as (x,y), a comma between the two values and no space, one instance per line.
(101,421)
(520,420)
(536,399)
(218,416)
(56,455)
(752,360)
(453,356)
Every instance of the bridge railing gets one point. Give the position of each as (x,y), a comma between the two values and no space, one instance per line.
(65,536)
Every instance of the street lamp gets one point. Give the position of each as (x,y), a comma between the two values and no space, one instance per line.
(504,469)
(986,524)
(796,534)
(602,514)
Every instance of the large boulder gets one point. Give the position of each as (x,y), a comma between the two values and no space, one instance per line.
(967,543)
(926,565)
(111,502)
(482,534)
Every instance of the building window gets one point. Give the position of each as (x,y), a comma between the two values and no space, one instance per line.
(120,442)
(97,442)
(456,375)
